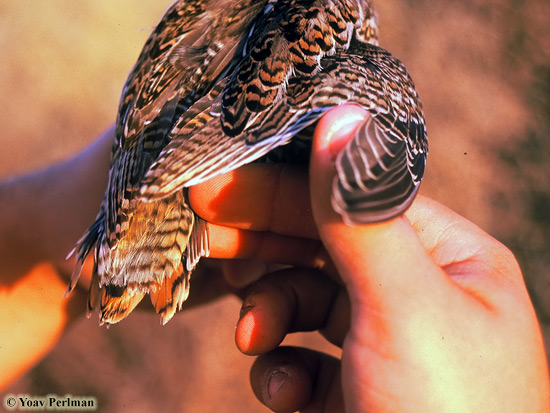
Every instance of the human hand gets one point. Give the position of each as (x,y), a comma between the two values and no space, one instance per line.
(440,317)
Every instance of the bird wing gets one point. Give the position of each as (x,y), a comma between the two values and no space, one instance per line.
(189,50)
(378,171)
(287,41)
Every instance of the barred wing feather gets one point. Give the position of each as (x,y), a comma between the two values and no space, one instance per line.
(378,171)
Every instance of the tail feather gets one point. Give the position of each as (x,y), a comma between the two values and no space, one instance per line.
(171,294)
(117,303)
(83,247)
(93,293)
(163,244)
(198,245)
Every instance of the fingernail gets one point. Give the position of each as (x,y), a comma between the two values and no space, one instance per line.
(245,309)
(341,126)
(340,136)
(276,380)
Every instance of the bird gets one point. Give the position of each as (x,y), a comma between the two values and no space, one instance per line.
(223,83)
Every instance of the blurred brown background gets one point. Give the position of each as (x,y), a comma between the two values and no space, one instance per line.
(482,68)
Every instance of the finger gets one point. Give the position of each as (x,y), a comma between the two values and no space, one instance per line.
(372,259)
(227,242)
(258,197)
(289,379)
(240,273)
(287,301)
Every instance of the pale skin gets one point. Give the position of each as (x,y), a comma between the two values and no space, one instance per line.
(431,312)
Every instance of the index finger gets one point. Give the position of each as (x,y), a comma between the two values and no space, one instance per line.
(260,211)
(258,197)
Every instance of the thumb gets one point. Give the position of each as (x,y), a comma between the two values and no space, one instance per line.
(383,265)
